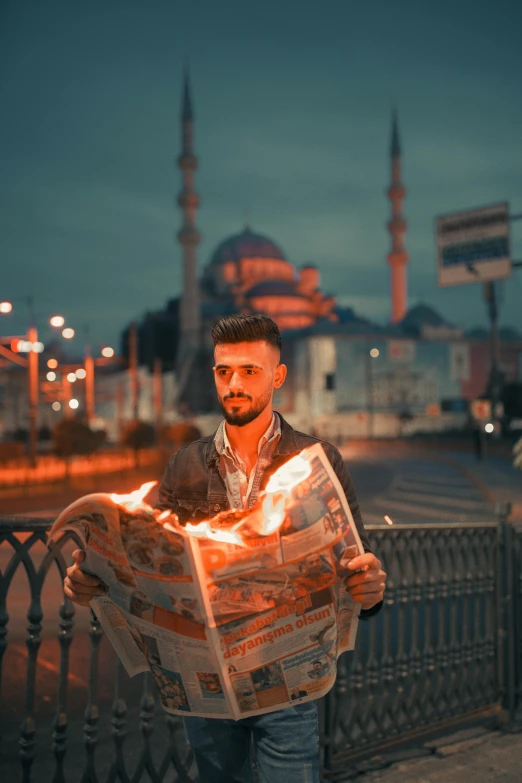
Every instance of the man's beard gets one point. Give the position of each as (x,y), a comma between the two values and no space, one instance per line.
(241,417)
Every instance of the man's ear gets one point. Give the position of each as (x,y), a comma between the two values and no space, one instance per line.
(280,375)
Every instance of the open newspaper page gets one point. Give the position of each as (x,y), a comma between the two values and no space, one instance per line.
(277,606)
(228,630)
(152,612)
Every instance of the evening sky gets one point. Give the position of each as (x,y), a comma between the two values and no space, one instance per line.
(292,103)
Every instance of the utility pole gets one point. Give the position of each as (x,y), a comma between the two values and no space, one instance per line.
(158,398)
(495,380)
(32,366)
(67,396)
(119,409)
(89,385)
(133,370)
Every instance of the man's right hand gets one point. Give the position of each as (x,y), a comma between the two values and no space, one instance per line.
(79,587)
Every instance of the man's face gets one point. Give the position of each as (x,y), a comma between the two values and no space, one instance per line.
(313,565)
(246,375)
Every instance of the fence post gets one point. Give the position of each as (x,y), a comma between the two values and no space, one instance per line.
(507,637)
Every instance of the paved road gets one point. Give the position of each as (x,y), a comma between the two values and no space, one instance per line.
(416,489)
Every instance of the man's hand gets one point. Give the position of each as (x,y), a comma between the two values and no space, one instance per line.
(367,585)
(80,587)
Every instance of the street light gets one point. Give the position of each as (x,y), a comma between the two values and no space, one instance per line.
(373,353)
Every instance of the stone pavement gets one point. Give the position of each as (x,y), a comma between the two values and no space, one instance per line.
(475,755)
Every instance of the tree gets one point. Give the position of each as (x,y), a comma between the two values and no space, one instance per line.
(180,434)
(73,436)
(138,435)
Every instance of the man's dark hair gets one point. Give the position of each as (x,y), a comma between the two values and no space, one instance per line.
(243,328)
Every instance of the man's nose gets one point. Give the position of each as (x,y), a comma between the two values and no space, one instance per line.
(236,382)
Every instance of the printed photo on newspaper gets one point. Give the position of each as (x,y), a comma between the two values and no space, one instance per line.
(240,615)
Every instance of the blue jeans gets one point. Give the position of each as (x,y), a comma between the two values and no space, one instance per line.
(286,746)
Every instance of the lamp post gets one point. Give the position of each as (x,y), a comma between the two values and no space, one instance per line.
(30,344)
(371,354)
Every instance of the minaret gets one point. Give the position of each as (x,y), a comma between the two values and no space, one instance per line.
(398,257)
(188,235)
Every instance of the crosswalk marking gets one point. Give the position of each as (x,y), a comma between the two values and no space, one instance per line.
(422,492)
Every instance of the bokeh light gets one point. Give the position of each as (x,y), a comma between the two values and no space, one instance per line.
(68,333)
(52,364)
(5,307)
(73,403)
(489,427)
(57,320)
(51,376)
(71,377)
(107,352)
(81,373)
(374,353)
(56,406)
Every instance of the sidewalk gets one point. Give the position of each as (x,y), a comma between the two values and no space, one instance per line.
(475,755)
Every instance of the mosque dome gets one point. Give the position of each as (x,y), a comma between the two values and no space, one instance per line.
(273,288)
(247,244)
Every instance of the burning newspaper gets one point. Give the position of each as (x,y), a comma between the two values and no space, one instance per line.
(240,615)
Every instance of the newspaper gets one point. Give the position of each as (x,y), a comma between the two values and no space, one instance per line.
(228,631)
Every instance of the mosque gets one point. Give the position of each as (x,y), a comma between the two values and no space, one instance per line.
(417,367)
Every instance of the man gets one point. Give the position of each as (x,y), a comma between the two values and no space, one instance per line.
(228,470)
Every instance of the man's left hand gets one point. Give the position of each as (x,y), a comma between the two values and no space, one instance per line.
(367,585)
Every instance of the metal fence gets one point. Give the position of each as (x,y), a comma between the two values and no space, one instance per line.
(445,649)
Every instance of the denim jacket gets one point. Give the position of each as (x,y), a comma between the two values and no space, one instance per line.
(193,489)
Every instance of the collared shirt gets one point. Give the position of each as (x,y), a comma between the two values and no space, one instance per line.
(242,489)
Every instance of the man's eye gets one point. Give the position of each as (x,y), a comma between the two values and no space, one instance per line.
(250,372)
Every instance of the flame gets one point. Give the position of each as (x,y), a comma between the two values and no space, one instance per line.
(278,489)
(204,530)
(265,519)
(134,500)
(288,475)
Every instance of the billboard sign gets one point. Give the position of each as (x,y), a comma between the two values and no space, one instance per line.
(473,246)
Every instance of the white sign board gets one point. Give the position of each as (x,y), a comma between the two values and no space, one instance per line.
(401,351)
(473,246)
(460,362)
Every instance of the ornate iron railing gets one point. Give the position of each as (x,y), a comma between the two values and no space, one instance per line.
(445,648)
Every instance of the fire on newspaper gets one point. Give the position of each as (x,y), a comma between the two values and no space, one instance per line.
(237,615)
